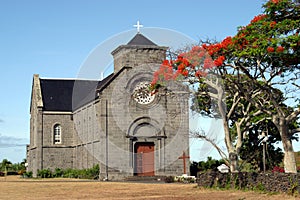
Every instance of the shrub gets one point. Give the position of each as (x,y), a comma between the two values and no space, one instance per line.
(169,179)
(70,173)
(27,174)
(44,173)
(58,173)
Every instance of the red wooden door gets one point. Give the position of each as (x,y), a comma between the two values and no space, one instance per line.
(144,159)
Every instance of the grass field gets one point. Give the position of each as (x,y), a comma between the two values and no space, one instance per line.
(14,187)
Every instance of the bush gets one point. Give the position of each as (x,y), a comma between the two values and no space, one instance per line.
(169,179)
(27,174)
(70,173)
(91,173)
(44,173)
(58,173)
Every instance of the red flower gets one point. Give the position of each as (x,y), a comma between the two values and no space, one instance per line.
(270,49)
(204,46)
(207,63)
(185,73)
(258,18)
(280,49)
(226,42)
(166,62)
(275,1)
(181,66)
(219,61)
(272,24)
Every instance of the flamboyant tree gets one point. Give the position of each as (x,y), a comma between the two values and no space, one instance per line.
(262,58)
(267,52)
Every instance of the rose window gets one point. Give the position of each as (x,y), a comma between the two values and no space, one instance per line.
(142,94)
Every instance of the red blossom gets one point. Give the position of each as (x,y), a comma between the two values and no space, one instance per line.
(275,1)
(208,63)
(280,49)
(219,61)
(272,24)
(181,66)
(270,49)
(226,42)
(258,18)
(185,73)
(166,62)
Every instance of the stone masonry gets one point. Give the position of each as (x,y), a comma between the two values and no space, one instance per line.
(108,129)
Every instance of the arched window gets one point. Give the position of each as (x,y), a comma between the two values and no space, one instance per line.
(57,134)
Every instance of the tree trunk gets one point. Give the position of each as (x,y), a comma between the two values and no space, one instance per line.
(233,157)
(289,155)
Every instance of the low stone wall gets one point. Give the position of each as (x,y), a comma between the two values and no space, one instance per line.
(272,182)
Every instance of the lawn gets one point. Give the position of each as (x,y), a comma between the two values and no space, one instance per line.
(17,188)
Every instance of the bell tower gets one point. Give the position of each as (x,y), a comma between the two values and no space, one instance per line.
(139,50)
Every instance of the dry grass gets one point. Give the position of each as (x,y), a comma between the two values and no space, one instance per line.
(17,188)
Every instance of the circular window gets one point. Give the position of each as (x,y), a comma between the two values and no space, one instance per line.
(142,94)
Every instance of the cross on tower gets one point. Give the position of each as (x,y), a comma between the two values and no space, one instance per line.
(138,26)
(183,157)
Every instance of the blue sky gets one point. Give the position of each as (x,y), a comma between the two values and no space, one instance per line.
(53,38)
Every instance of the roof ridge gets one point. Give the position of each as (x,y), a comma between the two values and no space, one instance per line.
(140,39)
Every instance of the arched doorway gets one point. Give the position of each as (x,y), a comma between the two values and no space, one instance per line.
(144,159)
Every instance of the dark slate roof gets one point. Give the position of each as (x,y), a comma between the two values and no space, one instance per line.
(68,94)
(140,39)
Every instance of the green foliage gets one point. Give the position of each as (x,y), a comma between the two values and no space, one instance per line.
(203,166)
(253,161)
(259,187)
(27,174)
(58,173)
(5,165)
(8,166)
(44,173)
(91,173)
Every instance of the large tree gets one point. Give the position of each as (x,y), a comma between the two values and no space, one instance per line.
(267,52)
(262,58)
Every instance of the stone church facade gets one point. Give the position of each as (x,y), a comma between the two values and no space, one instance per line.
(115,122)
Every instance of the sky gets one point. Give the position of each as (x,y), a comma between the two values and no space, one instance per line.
(53,39)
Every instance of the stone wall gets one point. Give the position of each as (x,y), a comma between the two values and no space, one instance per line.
(271,182)
(133,56)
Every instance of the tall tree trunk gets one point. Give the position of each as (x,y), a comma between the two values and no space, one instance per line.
(233,157)
(289,155)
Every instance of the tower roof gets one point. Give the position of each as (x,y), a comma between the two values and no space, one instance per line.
(140,39)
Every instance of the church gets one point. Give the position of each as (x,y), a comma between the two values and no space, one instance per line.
(115,122)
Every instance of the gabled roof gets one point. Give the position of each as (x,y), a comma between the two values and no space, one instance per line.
(140,39)
(68,94)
